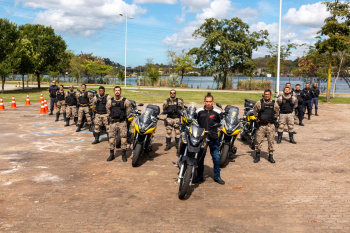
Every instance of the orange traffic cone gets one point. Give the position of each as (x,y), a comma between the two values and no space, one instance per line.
(2,107)
(42,109)
(28,101)
(41,98)
(13,105)
(55,106)
(45,104)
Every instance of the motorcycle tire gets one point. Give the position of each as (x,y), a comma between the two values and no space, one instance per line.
(137,154)
(243,138)
(118,141)
(224,155)
(185,182)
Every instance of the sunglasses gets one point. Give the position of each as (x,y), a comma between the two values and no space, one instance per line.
(172,92)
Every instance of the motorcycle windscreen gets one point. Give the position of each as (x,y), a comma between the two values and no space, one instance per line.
(191,110)
(196,131)
(232,117)
(145,119)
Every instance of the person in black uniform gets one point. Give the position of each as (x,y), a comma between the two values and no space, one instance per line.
(101,117)
(71,102)
(315,93)
(61,103)
(307,101)
(207,117)
(53,90)
(299,111)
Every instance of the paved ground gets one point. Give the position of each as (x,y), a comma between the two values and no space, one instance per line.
(53,180)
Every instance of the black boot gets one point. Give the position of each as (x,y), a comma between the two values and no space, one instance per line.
(76,120)
(168,142)
(64,117)
(270,159)
(177,143)
(257,157)
(51,113)
(57,116)
(124,156)
(111,156)
(67,122)
(79,127)
(279,139)
(97,137)
(309,115)
(90,127)
(301,123)
(316,113)
(291,139)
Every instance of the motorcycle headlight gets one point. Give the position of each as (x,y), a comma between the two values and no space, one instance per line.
(194,141)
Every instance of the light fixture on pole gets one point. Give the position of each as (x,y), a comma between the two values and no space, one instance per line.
(279,51)
(126,31)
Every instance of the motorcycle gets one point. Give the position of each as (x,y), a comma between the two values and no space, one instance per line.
(249,125)
(193,144)
(228,134)
(144,129)
(187,118)
(134,113)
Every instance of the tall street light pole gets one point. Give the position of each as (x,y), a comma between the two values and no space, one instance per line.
(126,34)
(279,51)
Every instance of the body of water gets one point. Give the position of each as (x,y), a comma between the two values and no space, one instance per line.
(207,82)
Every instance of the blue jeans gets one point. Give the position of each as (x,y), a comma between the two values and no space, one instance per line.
(52,103)
(307,105)
(300,112)
(214,151)
(314,101)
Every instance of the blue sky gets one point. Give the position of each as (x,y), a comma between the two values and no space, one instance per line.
(158,25)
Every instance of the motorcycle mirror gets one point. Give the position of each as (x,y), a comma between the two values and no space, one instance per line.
(140,104)
(219,105)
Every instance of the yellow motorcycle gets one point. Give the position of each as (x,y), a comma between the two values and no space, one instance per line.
(144,129)
(249,125)
(228,134)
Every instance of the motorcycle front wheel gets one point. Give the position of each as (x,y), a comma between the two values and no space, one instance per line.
(185,181)
(224,155)
(137,154)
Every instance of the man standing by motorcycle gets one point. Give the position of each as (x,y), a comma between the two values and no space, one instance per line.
(287,104)
(266,111)
(101,117)
(208,117)
(84,102)
(172,122)
(299,111)
(307,101)
(119,109)
(315,93)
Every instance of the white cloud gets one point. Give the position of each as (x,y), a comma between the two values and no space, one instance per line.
(194,6)
(219,9)
(81,17)
(310,15)
(247,15)
(155,1)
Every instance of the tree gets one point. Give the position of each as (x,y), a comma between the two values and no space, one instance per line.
(8,42)
(153,74)
(228,46)
(47,46)
(341,58)
(173,79)
(183,62)
(334,34)
(285,52)
(77,67)
(121,76)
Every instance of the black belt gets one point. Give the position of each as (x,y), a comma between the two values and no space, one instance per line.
(286,112)
(173,117)
(101,112)
(117,120)
(265,122)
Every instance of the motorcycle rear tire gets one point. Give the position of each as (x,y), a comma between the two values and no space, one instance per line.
(185,181)
(224,155)
(118,141)
(137,154)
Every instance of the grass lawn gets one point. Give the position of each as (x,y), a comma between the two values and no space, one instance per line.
(159,96)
